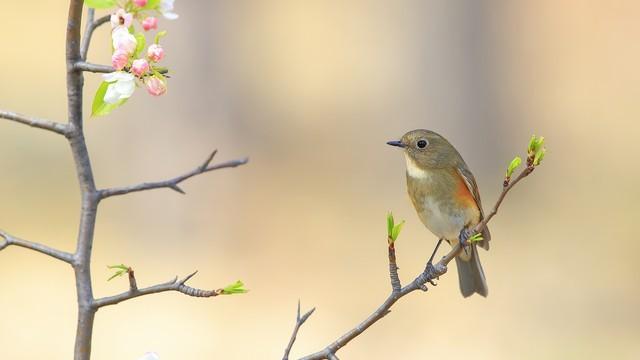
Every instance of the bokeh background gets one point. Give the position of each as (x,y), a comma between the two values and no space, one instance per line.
(310,91)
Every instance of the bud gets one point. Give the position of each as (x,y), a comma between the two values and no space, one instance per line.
(537,159)
(119,59)
(155,52)
(123,40)
(150,23)
(139,67)
(513,166)
(140,3)
(155,86)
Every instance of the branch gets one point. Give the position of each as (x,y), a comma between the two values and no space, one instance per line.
(430,273)
(299,321)
(62,129)
(88,31)
(173,183)
(58,254)
(172,285)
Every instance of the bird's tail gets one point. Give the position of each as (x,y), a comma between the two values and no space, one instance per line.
(471,275)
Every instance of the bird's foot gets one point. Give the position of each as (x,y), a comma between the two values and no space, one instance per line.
(465,235)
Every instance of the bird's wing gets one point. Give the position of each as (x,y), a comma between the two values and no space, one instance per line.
(470,181)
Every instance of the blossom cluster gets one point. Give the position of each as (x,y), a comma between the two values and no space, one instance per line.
(133,64)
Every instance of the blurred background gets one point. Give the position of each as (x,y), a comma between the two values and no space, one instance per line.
(311,91)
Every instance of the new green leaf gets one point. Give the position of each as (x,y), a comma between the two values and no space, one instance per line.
(235,288)
(513,166)
(99,107)
(141,42)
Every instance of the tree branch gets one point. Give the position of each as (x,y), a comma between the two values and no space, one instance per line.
(430,273)
(43,249)
(62,129)
(95,68)
(173,183)
(88,31)
(172,285)
(299,321)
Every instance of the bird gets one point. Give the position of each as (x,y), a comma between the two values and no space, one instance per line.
(445,195)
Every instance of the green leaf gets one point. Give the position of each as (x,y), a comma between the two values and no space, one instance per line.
(235,288)
(396,231)
(513,166)
(389,224)
(537,159)
(121,267)
(141,42)
(100,4)
(159,35)
(151,4)
(101,108)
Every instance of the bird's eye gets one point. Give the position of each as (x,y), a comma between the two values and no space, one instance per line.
(421,144)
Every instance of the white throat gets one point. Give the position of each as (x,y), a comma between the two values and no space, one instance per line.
(413,170)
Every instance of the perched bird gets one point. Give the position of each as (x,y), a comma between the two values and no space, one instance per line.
(445,195)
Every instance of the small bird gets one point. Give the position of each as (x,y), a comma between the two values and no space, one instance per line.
(445,195)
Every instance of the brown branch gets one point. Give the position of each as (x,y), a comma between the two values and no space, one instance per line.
(172,285)
(430,273)
(43,249)
(104,69)
(62,129)
(299,321)
(88,31)
(173,183)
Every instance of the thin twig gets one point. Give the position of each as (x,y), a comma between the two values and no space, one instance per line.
(55,253)
(53,126)
(88,31)
(173,183)
(430,273)
(299,321)
(172,285)
(104,69)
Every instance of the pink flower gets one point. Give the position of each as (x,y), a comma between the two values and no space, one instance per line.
(121,18)
(139,67)
(149,23)
(155,52)
(119,59)
(140,3)
(123,40)
(155,86)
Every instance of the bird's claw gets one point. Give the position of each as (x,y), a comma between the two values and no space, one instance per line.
(465,235)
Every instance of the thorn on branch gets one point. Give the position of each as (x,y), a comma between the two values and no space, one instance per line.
(206,163)
(177,188)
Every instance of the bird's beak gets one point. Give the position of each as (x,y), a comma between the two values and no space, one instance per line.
(396,143)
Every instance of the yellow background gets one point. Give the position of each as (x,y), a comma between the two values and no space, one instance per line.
(311,91)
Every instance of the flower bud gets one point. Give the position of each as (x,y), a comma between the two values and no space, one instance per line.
(150,23)
(140,3)
(155,52)
(119,59)
(139,67)
(155,86)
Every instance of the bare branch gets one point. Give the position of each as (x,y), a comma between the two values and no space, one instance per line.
(173,183)
(299,321)
(95,68)
(55,253)
(62,129)
(430,273)
(88,31)
(172,285)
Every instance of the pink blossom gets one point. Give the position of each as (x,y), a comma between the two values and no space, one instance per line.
(140,3)
(119,59)
(150,23)
(121,18)
(139,67)
(155,86)
(155,52)
(123,40)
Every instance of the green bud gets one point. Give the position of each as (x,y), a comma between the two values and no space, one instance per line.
(535,144)
(235,288)
(539,156)
(389,224)
(513,166)
(396,231)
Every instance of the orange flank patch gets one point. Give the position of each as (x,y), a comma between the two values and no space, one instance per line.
(464,195)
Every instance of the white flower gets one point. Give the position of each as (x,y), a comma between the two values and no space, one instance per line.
(123,40)
(150,356)
(121,86)
(166,8)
